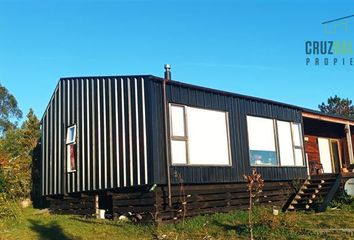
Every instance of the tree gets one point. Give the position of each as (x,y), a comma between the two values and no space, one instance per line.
(255,184)
(338,106)
(10,144)
(17,151)
(17,142)
(9,110)
(30,132)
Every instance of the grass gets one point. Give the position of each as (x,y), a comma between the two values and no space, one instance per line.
(46,226)
(233,225)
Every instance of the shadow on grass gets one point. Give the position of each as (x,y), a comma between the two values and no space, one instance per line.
(49,231)
(241,229)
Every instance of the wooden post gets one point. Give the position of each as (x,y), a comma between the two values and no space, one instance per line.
(349,142)
(97,206)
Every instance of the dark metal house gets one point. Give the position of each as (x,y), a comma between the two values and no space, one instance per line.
(133,143)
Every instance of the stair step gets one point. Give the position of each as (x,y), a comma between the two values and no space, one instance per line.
(322,181)
(312,189)
(302,201)
(291,207)
(297,197)
(325,184)
(301,206)
(308,195)
(307,181)
(322,189)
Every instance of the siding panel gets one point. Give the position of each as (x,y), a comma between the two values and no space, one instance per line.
(109,113)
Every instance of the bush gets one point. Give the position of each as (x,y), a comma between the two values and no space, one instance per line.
(9,208)
(2,182)
(15,179)
(341,199)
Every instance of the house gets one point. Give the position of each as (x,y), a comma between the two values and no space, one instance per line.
(150,145)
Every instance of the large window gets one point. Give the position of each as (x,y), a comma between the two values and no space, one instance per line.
(274,142)
(71,148)
(261,141)
(199,136)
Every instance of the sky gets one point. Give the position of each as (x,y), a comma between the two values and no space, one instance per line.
(255,48)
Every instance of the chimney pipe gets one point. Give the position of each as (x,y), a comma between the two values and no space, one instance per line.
(166,127)
(167,71)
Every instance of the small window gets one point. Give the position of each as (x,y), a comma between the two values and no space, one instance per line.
(178,123)
(71,149)
(261,140)
(298,144)
(71,134)
(179,152)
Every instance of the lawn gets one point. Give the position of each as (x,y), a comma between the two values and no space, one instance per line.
(233,225)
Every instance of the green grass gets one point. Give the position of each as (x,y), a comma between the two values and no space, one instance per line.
(46,226)
(218,226)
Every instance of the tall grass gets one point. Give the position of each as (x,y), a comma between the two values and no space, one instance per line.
(9,208)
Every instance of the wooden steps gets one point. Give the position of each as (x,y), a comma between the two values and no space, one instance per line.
(315,193)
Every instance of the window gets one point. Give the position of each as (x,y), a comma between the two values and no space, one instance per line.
(261,140)
(71,134)
(71,148)
(274,142)
(297,140)
(199,136)
(178,127)
(286,149)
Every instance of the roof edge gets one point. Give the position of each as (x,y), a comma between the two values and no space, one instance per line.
(232,94)
(307,110)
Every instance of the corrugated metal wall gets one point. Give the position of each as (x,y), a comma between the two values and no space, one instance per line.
(110,115)
(238,108)
(120,134)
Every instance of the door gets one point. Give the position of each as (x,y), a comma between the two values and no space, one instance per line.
(335,155)
(325,155)
(329,155)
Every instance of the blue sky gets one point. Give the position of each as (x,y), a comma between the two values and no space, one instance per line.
(253,48)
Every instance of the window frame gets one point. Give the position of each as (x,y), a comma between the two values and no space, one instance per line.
(186,139)
(179,138)
(68,144)
(301,146)
(73,141)
(277,145)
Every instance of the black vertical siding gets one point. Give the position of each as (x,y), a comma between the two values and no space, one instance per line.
(120,133)
(109,113)
(238,108)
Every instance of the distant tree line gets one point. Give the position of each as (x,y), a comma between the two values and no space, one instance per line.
(338,106)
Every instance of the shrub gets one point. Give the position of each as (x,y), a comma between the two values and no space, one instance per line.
(15,179)
(340,200)
(9,208)
(2,182)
